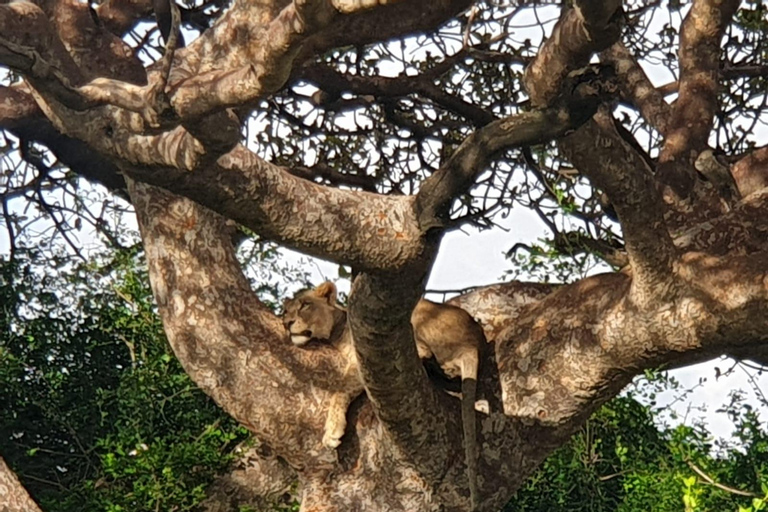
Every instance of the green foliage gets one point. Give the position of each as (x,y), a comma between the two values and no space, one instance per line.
(95,411)
(622,461)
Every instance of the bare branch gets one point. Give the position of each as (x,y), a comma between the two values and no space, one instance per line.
(708,479)
(699,56)
(637,89)
(469,160)
(334,83)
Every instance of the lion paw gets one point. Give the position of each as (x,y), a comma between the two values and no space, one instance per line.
(331,441)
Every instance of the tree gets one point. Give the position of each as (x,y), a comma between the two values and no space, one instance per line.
(370,170)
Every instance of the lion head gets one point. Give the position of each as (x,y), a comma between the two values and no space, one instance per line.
(313,315)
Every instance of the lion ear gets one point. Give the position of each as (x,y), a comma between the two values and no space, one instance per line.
(327,290)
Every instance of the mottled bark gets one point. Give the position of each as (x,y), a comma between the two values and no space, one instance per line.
(636,88)
(751,172)
(693,113)
(699,57)
(13,497)
(588,27)
(258,479)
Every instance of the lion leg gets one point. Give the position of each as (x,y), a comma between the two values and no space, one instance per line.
(336,421)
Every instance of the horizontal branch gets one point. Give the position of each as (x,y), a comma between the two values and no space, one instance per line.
(579,346)
(334,83)
(362,229)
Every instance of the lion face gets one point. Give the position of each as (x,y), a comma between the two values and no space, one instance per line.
(312,315)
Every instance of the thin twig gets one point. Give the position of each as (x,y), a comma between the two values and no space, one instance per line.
(720,486)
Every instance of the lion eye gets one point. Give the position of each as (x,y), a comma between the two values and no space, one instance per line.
(304,305)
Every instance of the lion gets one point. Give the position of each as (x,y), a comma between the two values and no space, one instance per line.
(446,332)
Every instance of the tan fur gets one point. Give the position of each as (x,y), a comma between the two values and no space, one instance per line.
(446,332)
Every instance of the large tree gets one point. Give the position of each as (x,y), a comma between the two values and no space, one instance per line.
(361,131)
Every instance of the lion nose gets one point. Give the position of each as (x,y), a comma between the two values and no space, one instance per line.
(287,323)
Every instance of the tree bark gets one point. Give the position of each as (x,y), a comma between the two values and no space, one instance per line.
(13,497)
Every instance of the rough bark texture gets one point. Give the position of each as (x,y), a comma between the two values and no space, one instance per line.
(13,497)
(696,286)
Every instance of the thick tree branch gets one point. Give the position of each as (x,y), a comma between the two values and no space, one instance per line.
(120,16)
(382,23)
(203,80)
(699,57)
(614,166)
(365,230)
(556,368)
(238,353)
(28,37)
(14,497)
(257,479)
(636,88)
(751,172)
(612,163)
(740,231)
(20,115)
(589,27)
(408,405)
(231,345)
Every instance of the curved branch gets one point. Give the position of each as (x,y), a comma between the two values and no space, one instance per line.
(470,158)
(601,153)
(362,229)
(230,344)
(589,27)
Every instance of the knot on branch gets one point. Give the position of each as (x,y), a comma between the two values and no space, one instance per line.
(589,87)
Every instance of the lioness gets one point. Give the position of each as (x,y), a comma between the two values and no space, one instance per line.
(447,332)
